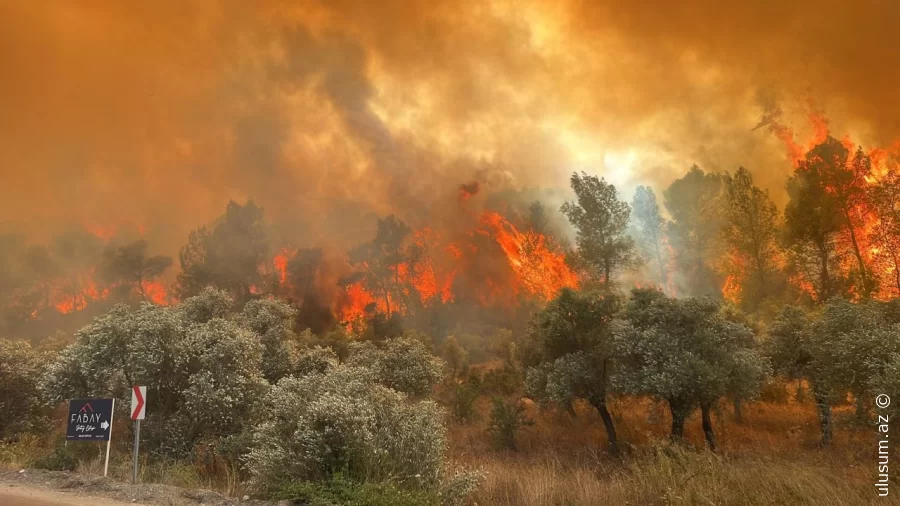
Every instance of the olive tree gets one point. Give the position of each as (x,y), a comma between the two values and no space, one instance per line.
(683,351)
(863,342)
(568,349)
(841,348)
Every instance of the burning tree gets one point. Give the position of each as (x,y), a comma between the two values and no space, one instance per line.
(825,221)
(750,231)
(884,196)
(381,259)
(130,266)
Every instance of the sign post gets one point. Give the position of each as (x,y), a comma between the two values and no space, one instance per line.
(138,411)
(109,438)
(91,420)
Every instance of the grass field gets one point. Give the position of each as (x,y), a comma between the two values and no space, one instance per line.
(771,458)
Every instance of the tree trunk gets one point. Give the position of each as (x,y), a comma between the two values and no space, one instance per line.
(896,262)
(738,414)
(859,259)
(824,410)
(677,422)
(800,394)
(763,282)
(707,426)
(824,277)
(861,412)
(608,425)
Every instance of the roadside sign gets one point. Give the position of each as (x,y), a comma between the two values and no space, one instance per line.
(138,412)
(138,407)
(89,420)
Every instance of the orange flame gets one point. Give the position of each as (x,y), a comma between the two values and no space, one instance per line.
(155,292)
(539,271)
(280,262)
(536,270)
(353,302)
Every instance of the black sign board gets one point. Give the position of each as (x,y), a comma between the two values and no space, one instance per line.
(89,419)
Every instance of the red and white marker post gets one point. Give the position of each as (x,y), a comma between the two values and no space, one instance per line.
(138,412)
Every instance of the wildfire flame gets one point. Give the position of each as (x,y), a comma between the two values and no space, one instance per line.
(864,221)
(536,270)
(280,262)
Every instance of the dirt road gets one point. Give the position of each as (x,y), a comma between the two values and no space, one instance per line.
(26,496)
(35,487)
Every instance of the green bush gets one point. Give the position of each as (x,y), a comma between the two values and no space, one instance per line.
(462,404)
(21,368)
(340,491)
(343,421)
(403,364)
(506,421)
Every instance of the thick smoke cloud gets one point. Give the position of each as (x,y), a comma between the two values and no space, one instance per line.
(329,113)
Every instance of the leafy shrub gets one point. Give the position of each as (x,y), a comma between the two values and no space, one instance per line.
(224,358)
(456,357)
(338,340)
(21,368)
(457,487)
(403,364)
(61,459)
(315,360)
(339,491)
(506,421)
(344,421)
(273,322)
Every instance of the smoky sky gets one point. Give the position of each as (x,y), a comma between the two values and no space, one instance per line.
(328,114)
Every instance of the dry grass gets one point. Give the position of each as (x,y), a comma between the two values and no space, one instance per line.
(223,478)
(18,455)
(667,475)
(773,458)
